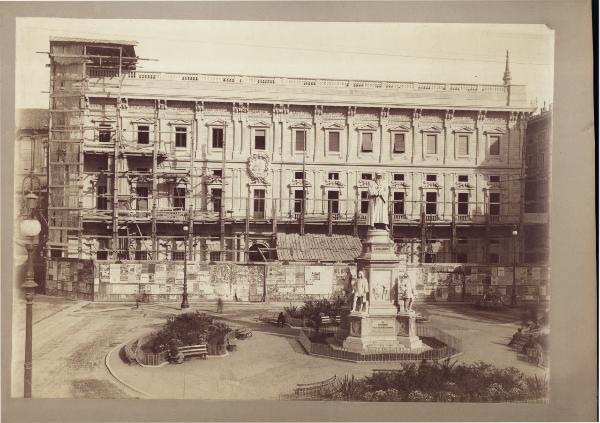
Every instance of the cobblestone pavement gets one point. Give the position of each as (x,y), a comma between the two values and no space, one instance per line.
(72,340)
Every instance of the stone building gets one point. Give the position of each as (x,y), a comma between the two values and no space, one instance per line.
(31,144)
(150,165)
(538,145)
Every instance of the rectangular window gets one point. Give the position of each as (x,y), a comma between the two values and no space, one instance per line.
(141,255)
(260,139)
(463,178)
(366,142)
(461,258)
(494,145)
(180,136)
(179,198)
(463,145)
(298,175)
(217,138)
(398,202)
(399,146)
(463,203)
(102,197)
(259,203)
(494,203)
(101,255)
(104,133)
(26,156)
(398,176)
(300,141)
(493,258)
(494,178)
(217,172)
(142,198)
(178,255)
(333,203)
(364,202)
(431,178)
(143,134)
(431,140)
(215,256)
(333,176)
(431,203)
(334,142)
(298,201)
(215,194)
(366,176)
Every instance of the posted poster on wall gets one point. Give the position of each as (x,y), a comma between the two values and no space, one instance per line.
(318,280)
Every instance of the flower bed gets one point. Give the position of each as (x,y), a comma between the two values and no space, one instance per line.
(438,382)
(187,329)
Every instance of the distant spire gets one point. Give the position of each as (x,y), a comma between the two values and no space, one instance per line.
(506,77)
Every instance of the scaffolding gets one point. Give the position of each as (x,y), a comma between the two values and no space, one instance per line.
(128,192)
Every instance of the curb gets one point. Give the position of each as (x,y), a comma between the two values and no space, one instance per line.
(113,374)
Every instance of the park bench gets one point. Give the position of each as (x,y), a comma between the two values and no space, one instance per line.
(268,317)
(194,351)
(243,333)
(310,390)
(326,320)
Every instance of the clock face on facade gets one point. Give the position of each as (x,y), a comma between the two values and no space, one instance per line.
(258,166)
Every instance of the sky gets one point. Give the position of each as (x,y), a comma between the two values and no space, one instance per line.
(452,53)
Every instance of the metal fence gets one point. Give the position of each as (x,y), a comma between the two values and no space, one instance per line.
(451,346)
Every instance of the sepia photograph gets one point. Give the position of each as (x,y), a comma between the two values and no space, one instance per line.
(209,217)
(285,211)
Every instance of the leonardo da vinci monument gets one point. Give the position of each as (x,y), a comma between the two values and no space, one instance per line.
(374,323)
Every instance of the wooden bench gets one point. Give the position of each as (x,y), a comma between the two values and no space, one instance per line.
(194,351)
(243,333)
(326,320)
(268,317)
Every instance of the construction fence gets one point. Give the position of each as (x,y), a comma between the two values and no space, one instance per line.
(148,281)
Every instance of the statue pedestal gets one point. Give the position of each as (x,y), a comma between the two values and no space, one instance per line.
(407,330)
(380,327)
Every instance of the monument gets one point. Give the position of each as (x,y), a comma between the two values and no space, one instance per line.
(377,324)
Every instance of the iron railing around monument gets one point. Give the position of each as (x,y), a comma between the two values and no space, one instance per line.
(443,346)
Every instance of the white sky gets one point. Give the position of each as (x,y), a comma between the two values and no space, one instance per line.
(467,53)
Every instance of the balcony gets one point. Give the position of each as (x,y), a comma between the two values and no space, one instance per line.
(285,211)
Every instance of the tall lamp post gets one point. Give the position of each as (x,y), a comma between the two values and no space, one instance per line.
(29,228)
(513,297)
(184,299)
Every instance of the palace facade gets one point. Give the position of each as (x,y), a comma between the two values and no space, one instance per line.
(147,165)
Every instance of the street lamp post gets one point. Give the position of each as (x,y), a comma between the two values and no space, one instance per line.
(184,299)
(513,297)
(29,228)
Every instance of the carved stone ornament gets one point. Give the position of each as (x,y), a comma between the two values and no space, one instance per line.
(430,184)
(363,183)
(463,185)
(333,183)
(258,166)
(214,179)
(398,184)
(300,183)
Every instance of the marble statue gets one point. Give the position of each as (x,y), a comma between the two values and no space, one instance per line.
(361,289)
(378,210)
(406,293)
